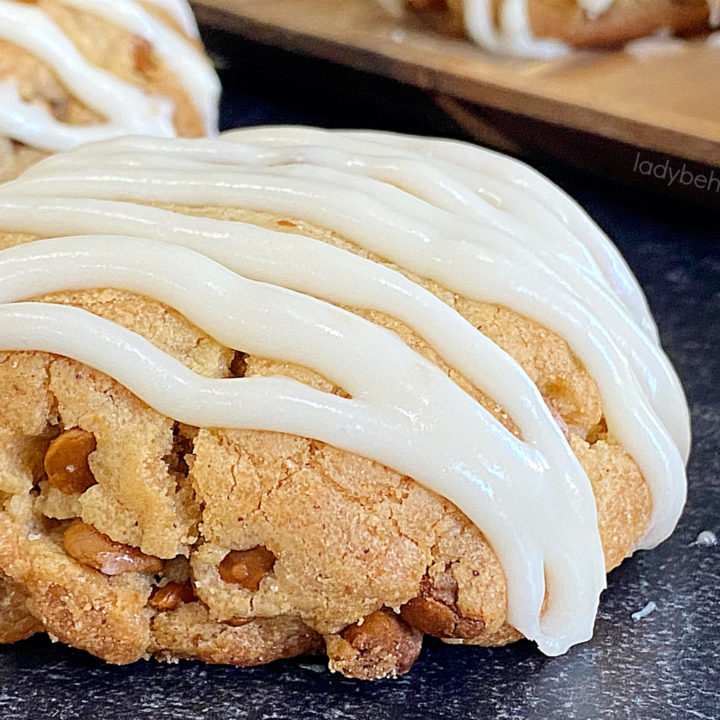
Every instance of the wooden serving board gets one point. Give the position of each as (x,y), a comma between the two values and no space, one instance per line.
(668,103)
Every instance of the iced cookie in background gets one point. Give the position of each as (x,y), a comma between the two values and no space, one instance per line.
(293,390)
(548,28)
(76,71)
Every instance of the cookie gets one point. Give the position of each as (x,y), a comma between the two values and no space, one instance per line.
(16,622)
(74,72)
(549,27)
(294,391)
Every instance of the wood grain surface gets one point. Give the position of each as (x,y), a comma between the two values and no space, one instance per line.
(668,103)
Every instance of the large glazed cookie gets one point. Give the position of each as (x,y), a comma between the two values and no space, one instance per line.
(291,391)
(76,71)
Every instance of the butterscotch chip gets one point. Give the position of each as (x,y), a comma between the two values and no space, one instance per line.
(143,56)
(91,547)
(382,646)
(237,621)
(430,5)
(435,618)
(66,461)
(238,365)
(435,611)
(247,567)
(171,596)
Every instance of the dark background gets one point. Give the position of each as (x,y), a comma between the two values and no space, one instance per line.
(663,666)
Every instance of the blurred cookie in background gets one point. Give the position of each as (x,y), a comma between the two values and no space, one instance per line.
(76,71)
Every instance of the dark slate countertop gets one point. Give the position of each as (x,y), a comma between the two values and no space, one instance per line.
(664,666)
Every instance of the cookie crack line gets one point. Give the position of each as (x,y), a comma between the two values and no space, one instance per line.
(404,412)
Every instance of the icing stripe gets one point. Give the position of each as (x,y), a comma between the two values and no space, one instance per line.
(127,108)
(180,11)
(489,190)
(319,270)
(512,34)
(34,125)
(426,183)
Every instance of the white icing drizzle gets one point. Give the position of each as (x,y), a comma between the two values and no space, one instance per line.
(127,108)
(180,11)
(595,8)
(400,401)
(714,6)
(277,294)
(660,44)
(512,34)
